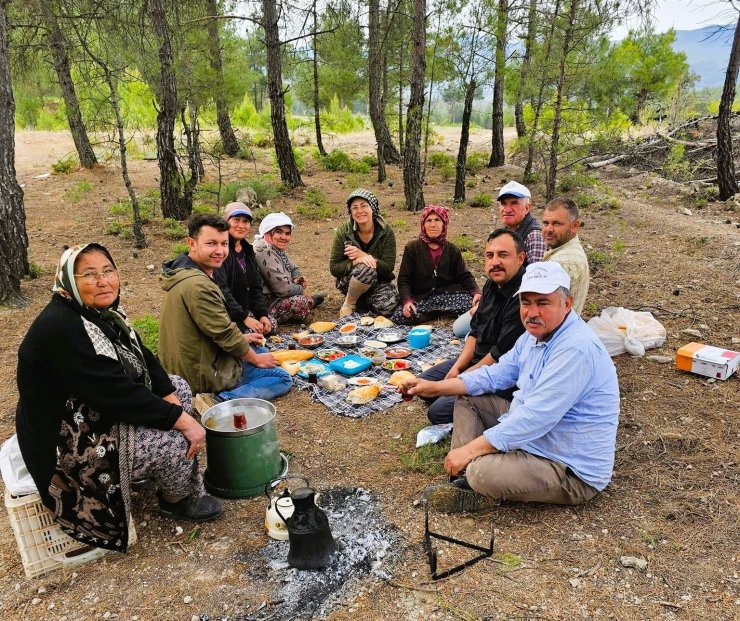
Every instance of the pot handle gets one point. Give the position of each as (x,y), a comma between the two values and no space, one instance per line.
(273,484)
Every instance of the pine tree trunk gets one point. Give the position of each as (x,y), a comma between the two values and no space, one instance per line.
(558,112)
(498,154)
(375,84)
(400,99)
(13,237)
(462,153)
(289,172)
(412,180)
(728,185)
(316,116)
(174,204)
(521,128)
(58,46)
(225,130)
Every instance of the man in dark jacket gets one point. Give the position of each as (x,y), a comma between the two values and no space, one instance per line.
(496,325)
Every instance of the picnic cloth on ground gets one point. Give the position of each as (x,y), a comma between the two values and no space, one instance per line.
(440,347)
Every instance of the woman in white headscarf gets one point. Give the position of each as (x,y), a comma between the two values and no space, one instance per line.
(284,285)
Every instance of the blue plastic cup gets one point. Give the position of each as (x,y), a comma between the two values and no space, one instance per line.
(420,338)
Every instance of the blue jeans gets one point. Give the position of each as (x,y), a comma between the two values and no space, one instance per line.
(461,327)
(440,408)
(259,383)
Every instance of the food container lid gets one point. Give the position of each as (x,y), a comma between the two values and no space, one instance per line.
(219,419)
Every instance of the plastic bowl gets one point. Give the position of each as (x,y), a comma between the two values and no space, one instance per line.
(420,337)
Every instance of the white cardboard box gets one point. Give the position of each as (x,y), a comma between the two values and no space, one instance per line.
(707,360)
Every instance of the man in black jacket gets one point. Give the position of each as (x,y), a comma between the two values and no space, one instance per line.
(496,325)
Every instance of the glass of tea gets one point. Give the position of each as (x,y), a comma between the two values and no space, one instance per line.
(240,420)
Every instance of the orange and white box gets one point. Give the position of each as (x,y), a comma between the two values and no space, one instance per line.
(707,360)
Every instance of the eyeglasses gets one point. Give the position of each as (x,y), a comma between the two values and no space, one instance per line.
(362,207)
(91,278)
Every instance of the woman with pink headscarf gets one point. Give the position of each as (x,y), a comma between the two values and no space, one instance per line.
(433,279)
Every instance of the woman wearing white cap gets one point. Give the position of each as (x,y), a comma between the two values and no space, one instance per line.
(284,283)
(241,276)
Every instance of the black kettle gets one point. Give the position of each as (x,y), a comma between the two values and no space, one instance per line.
(311,543)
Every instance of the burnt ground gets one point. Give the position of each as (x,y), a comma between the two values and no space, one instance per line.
(674,500)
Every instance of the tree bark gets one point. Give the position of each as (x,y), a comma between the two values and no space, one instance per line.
(462,153)
(400,99)
(498,154)
(13,237)
(316,116)
(289,172)
(521,128)
(558,111)
(412,180)
(174,203)
(58,46)
(225,130)
(375,84)
(728,185)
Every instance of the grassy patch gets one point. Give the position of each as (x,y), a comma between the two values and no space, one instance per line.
(476,161)
(64,166)
(315,206)
(597,259)
(463,242)
(428,459)
(174,229)
(264,187)
(78,191)
(439,159)
(577,180)
(178,249)
(338,160)
(481,200)
(509,560)
(400,224)
(148,329)
(34,270)
(618,246)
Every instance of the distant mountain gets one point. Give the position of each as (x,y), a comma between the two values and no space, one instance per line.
(707,50)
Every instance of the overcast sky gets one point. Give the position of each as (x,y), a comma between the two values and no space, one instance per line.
(686,15)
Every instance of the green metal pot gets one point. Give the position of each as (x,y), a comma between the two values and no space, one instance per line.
(241,461)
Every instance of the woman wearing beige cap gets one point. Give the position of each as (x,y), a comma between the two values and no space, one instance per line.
(239,277)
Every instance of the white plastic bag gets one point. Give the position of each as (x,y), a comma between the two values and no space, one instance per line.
(433,434)
(15,474)
(623,330)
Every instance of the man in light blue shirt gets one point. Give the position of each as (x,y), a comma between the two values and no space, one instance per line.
(555,441)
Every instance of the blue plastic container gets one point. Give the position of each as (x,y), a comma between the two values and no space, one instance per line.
(420,337)
(351,364)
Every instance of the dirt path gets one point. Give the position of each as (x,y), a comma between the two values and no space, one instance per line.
(674,500)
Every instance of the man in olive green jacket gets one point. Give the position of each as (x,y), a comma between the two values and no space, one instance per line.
(197,339)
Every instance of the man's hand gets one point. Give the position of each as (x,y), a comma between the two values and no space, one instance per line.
(474,307)
(453,372)
(457,460)
(254,337)
(265,361)
(409,309)
(266,325)
(193,432)
(476,299)
(253,325)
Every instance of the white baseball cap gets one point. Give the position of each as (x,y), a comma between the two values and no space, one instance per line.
(274,220)
(514,189)
(544,277)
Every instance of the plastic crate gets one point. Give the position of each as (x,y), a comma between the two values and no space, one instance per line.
(42,544)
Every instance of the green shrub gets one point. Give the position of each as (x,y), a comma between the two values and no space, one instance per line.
(469,256)
(199,208)
(447,171)
(476,161)
(179,248)
(259,214)
(34,270)
(676,167)
(148,329)
(64,166)
(114,228)
(481,200)
(370,160)
(597,258)
(78,191)
(463,242)
(577,180)
(315,206)
(264,188)
(437,159)
(584,199)
(174,229)
(124,211)
(338,160)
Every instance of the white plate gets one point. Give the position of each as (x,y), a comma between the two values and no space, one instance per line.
(375,344)
(389,336)
(362,380)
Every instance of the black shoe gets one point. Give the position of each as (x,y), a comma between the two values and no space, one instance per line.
(318,300)
(460,482)
(195,508)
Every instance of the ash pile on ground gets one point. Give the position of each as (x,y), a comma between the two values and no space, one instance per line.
(368,549)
